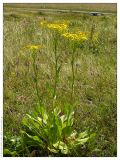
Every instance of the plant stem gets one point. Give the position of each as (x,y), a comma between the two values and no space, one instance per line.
(36,80)
(92,45)
(36,84)
(56,68)
(73,71)
(73,75)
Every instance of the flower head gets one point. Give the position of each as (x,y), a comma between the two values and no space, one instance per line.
(79,36)
(57,26)
(33,47)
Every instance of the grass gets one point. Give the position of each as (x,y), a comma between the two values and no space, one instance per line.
(109,7)
(95,73)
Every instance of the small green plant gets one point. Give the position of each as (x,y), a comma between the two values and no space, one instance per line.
(13,146)
(54,134)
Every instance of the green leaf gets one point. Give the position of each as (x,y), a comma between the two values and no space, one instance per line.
(6,152)
(69,114)
(14,153)
(92,136)
(33,139)
(25,122)
(65,151)
(81,141)
(56,111)
(13,140)
(66,132)
(45,117)
(63,118)
(39,121)
(31,118)
(61,146)
(41,110)
(63,121)
(83,134)
(72,136)
(59,125)
(53,134)
(53,150)
(36,138)
(82,138)
(34,125)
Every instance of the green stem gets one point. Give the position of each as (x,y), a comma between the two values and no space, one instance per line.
(73,72)
(36,84)
(73,75)
(92,45)
(36,81)
(56,68)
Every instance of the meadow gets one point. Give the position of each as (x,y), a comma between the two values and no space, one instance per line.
(60,70)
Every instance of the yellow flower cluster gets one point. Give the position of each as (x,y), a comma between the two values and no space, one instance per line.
(79,36)
(34,47)
(58,27)
(62,28)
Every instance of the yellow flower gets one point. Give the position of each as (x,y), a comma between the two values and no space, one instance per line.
(57,26)
(34,47)
(79,36)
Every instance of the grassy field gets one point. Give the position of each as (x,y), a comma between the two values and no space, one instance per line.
(71,6)
(92,93)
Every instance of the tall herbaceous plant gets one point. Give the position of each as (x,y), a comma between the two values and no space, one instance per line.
(52,133)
